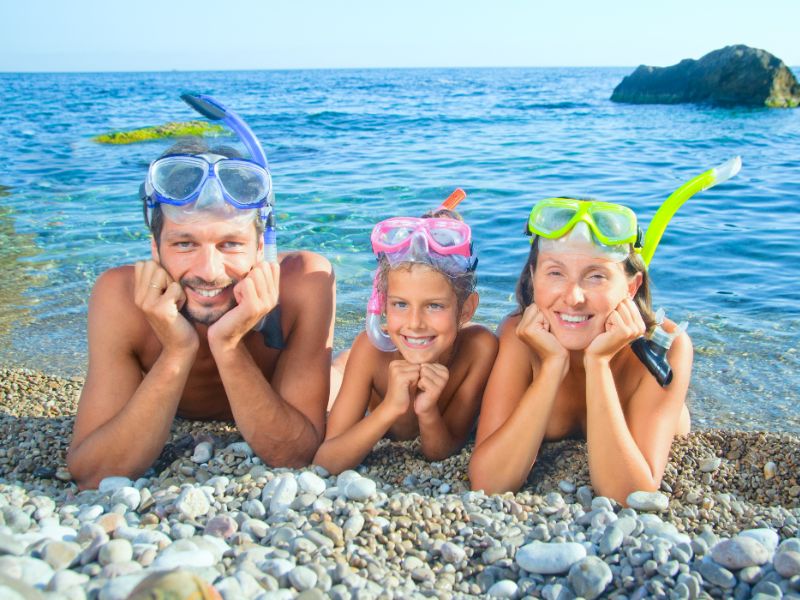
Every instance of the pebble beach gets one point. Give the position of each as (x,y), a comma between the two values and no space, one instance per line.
(726,522)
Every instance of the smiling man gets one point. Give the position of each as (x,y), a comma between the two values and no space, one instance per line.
(215,326)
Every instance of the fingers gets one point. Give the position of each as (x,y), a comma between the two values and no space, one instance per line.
(628,318)
(150,281)
(433,376)
(260,287)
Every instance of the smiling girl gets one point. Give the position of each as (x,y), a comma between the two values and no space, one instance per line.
(424,376)
(565,367)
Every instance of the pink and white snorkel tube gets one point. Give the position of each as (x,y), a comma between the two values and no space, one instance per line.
(375,307)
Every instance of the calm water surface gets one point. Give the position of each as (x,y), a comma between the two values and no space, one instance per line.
(350,147)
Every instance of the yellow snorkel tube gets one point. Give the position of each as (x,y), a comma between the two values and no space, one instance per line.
(652,350)
(671,205)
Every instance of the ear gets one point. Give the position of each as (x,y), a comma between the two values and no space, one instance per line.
(634,283)
(469,308)
(154,250)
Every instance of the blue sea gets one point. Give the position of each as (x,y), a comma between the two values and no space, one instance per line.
(350,147)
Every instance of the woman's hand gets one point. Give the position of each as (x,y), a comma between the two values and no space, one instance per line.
(432,379)
(623,325)
(534,330)
(161,299)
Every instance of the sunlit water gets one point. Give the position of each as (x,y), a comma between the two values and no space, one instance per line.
(350,147)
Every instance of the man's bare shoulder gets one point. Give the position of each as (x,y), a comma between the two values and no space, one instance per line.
(112,303)
(306,278)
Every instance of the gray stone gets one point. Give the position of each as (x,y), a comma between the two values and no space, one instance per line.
(549,558)
(648,501)
(109,485)
(10,545)
(62,580)
(31,571)
(453,553)
(740,552)
(302,578)
(611,540)
(766,537)
(787,563)
(284,494)
(589,577)
(717,575)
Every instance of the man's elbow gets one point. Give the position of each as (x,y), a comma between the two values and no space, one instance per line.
(290,455)
(88,472)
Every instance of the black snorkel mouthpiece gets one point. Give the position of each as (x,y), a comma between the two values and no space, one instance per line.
(654,357)
(652,351)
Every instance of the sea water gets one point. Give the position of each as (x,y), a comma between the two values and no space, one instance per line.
(350,147)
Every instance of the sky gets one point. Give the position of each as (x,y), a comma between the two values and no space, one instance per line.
(165,35)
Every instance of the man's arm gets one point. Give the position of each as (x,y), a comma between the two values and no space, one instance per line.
(283,419)
(123,418)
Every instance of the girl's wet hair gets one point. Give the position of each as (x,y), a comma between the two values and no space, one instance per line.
(633,264)
(463,284)
(193,146)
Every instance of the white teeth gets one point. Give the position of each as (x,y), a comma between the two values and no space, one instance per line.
(574,318)
(209,293)
(418,341)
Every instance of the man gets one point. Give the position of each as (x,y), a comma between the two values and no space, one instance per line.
(207,329)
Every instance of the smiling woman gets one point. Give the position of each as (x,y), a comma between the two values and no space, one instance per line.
(565,367)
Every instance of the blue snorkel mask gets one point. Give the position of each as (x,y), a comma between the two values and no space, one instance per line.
(189,187)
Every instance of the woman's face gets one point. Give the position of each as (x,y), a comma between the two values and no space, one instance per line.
(577,293)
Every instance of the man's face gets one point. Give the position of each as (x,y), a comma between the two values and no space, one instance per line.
(208,258)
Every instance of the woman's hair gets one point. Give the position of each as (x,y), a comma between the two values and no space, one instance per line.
(633,264)
(463,284)
(193,146)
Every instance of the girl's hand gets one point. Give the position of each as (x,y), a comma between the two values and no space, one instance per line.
(534,330)
(403,379)
(623,325)
(161,299)
(432,379)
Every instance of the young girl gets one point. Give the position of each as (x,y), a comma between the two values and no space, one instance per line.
(425,375)
(566,366)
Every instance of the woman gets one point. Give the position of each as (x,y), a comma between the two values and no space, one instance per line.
(565,367)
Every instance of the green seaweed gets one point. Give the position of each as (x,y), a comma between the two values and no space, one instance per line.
(4,191)
(168,130)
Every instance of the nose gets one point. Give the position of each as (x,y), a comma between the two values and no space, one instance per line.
(574,295)
(209,264)
(415,320)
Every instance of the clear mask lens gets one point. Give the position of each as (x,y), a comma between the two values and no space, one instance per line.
(580,240)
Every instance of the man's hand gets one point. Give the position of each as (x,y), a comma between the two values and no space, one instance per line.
(623,325)
(161,298)
(403,379)
(432,379)
(255,295)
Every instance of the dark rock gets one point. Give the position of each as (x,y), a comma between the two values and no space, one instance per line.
(734,75)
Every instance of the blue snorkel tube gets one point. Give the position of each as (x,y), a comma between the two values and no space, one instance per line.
(216,111)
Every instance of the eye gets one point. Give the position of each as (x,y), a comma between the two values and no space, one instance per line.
(183,245)
(399,304)
(232,245)
(436,306)
(554,273)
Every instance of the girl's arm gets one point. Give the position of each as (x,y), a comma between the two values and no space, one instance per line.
(444,433)
(626,455)
(516,408)
(350,435)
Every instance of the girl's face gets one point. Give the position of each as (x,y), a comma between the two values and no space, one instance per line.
(421,313)
(577,293)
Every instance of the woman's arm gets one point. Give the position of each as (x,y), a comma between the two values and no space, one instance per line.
(628,450)
(516,408)
(444,433)
(350,435)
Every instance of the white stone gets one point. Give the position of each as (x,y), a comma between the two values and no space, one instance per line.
(452,553)
(284,494)
(111,484)
(361,489)
(311,482)
(192,503)
(648,501)
(180,559)
(129,496)
(503,589)
(549,559)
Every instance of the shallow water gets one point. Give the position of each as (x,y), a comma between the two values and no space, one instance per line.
(349,147)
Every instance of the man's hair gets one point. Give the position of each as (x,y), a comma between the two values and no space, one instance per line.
(190,145)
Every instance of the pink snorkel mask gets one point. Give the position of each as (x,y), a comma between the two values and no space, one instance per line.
(445,244)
